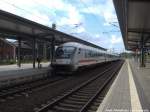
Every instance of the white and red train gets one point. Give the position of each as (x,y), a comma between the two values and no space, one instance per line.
(71,56)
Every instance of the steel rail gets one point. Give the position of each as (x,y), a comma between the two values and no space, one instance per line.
(51,104)
(26,87)
(85,107)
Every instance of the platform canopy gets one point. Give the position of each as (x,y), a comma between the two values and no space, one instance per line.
(134,21)
(15,26)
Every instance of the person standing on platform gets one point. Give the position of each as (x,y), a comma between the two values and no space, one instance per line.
(39,61)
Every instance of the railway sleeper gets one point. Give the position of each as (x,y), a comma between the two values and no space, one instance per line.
(96,84)
(52,111)
(99,99)
(74,102)
(91,110)
(62,109)
(96,103)
(67,105)
(96,87)
(3,90)
(84,94)
(93,107)
(75,99)
(87,91)
(79,96)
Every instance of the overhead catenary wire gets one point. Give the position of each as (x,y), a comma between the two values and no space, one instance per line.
(44,8)
(26,11)
(95,17)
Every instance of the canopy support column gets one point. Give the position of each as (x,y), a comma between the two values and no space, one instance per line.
(19,52)
(34,51)
(52,49)
(45,51)
(142,64)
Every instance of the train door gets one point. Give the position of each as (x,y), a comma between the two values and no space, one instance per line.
(79,56)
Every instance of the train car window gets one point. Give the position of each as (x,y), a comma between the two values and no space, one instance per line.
(65,52)
(79,51)
(86,53)
(92,54)
(89,53)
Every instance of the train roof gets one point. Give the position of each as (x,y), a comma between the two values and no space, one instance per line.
(78,45)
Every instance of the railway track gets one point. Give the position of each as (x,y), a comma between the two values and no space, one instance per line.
(80,98)
(28,87)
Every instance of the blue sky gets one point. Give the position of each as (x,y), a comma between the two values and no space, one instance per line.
(91,20)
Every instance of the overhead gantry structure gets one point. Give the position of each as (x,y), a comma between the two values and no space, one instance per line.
(134,21)
(19,28)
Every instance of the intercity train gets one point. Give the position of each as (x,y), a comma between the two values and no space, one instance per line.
(71,56)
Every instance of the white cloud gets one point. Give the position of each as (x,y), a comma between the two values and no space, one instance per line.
(97,35)
(38,17)
(80,29)
(20,8)
(103,40)
(105,10)
(7,7)
(115,40)
(92,9)
(28,9)
(109,12)
(106,24)
(53,4)
(86,1)
(73,17)
(100,40)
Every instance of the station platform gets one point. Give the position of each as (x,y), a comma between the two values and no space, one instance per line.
(12,74)
(130,91)
(23,66)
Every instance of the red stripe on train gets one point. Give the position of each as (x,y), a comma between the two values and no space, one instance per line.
(83,61)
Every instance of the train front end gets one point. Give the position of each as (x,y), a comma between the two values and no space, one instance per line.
(64,59)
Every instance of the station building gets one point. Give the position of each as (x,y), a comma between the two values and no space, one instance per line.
(9,50)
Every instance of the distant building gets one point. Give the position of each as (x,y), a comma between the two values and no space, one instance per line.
(9,50)
(25,52)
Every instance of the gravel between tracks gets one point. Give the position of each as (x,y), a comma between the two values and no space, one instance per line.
(27,102)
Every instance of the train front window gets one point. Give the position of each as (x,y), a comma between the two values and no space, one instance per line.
(64,52)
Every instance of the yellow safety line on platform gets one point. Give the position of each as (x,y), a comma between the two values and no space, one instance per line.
(135,102)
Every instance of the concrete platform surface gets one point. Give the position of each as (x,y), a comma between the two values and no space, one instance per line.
(130,92)
(11,74)
(23,66)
